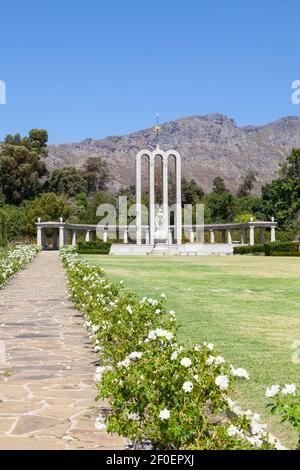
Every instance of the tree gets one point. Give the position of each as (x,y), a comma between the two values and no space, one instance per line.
(219,186)
(282,195)
(67,181)
(191,191)
(247,184)
(14,217)
(96,174)
(244,218)
(3,229)
(49,207)
(21,167)
(221,206)
(97,200)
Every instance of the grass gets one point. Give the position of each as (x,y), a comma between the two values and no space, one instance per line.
(247,306)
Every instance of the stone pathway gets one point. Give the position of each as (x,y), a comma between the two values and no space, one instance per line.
(47,393)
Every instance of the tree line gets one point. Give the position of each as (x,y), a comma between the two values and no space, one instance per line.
(28,191)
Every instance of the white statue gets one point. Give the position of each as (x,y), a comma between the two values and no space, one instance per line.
(160,229)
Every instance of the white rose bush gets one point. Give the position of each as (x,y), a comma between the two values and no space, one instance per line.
(158,391)
(15,259)
(285,402)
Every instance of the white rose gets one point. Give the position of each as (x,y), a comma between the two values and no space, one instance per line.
(222,382)
(272,391)
(187,387)
(186,362)
(164,414)
(289,389)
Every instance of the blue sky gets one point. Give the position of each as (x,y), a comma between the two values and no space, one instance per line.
(96,68)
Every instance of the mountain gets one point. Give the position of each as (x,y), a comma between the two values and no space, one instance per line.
(211,145)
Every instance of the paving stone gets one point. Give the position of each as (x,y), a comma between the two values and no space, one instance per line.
(47,393)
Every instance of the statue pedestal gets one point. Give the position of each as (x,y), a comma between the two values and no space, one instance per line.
(160,247)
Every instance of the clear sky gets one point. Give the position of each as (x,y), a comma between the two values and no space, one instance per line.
(95,68)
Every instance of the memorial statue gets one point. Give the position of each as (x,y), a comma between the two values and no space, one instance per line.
(160,234)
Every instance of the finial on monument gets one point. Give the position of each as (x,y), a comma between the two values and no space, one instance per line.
(157,130)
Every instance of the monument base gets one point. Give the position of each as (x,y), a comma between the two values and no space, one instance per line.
(187,249)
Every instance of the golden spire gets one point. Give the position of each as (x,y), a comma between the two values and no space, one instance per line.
(157,129)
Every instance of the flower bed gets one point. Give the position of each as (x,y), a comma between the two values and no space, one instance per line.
(158,391)
(14,260)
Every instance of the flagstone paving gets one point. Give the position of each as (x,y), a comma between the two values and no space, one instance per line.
(47,393)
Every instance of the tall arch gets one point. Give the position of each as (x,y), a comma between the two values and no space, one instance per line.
(178,213)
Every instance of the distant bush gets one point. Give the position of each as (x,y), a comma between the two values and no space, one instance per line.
(3,229)
(97,247)
(248,249)
(281,247)
(285,235)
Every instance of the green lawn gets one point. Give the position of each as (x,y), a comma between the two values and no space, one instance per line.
(249,307)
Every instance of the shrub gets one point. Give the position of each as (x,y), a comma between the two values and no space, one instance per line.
(14,260)
(3,229)
(176,397)
(287,247)
(285,402)
(14,216)
(248,249)
(97,247)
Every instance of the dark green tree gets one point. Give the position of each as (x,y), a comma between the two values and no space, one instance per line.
(282,195)
(96,174)
(247,184)
(3,229)
(22,167)
(67,181)
(191,191)
(221,206)
(49,207)
(219,186)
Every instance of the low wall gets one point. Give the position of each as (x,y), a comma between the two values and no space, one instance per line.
(187,249)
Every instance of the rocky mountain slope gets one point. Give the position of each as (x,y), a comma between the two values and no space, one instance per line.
(210,146)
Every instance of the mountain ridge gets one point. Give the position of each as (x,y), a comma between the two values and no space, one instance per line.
(211,145)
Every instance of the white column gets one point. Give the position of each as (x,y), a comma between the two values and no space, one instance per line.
(105,236)
(39,237)
(178,219)
(170,238)
(229,237)
(125,236)
(74,233)
(61,236)
(212,235)
(138,200)
(192,236)
(244,236)
(147,236)
(273,232)
(152,198)
(252,234)
(166,192)
(39,234)
(87,236)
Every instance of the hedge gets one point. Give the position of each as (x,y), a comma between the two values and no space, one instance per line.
(3,230)
(94,248)
(248,249)
(269,249)
(14,260)
(282,247)
(158,391)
